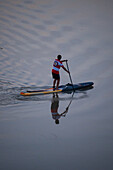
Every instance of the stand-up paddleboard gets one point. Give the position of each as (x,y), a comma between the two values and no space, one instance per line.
(62,88)
(46,91)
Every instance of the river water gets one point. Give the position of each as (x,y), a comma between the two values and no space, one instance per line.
(32,34)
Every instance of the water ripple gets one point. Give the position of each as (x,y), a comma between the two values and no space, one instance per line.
(32,33)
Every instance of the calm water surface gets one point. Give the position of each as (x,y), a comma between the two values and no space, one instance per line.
(32,34)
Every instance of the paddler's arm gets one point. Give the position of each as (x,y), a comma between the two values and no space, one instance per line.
(64,60)
(65,69)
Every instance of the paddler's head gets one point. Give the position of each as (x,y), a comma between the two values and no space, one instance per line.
(59,57)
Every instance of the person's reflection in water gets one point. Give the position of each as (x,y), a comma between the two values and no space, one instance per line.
(54,109)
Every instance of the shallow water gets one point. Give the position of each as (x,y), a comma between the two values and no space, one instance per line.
(32,34)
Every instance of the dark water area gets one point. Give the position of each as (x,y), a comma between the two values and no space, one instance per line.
(32,34)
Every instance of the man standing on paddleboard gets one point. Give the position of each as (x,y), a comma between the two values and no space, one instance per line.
(55,71)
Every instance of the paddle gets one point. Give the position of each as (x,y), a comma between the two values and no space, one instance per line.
(69,73)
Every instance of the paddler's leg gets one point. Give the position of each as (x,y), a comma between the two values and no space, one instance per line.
(58,81)
(54,82)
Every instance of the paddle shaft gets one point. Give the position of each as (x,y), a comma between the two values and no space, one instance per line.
(69,73)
